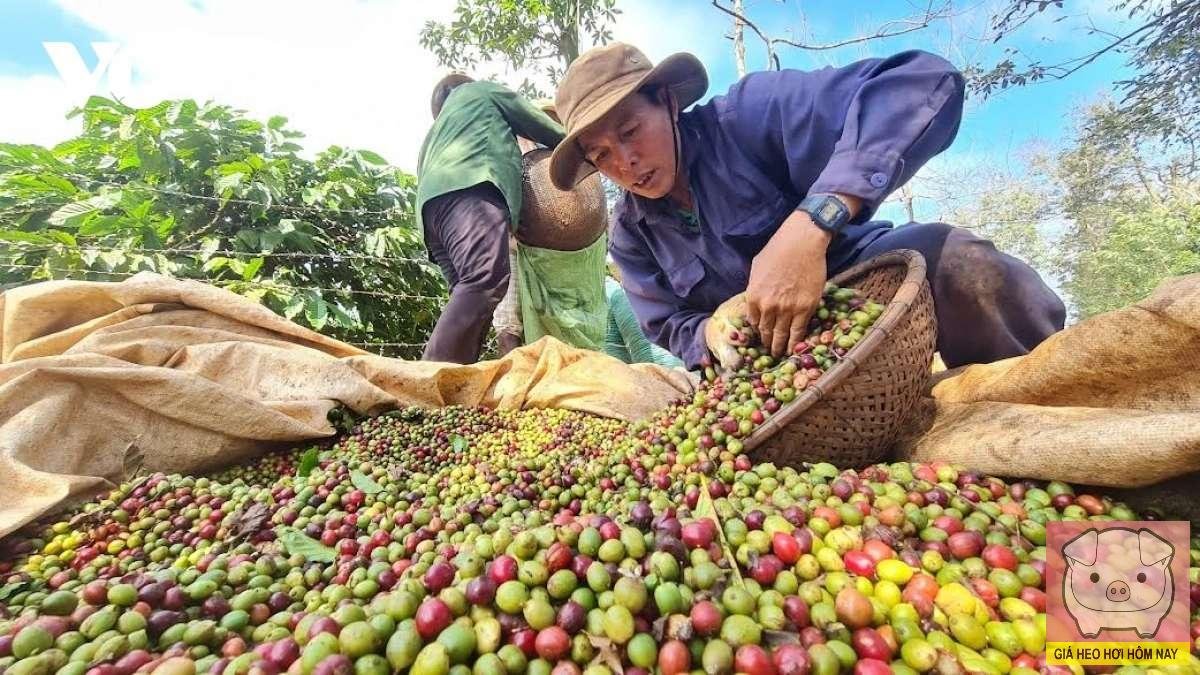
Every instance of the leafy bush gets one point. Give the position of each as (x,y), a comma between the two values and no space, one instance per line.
(204,192)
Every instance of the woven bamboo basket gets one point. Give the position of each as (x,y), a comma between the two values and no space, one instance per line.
(853,414)
(561,220)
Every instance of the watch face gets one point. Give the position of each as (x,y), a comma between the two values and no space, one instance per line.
(829,211)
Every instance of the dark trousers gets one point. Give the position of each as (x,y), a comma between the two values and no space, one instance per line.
(466,234)
(989,305)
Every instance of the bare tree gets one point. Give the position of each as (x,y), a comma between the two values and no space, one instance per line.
(739,41)
(935,10)
(1158,39)
(907,197)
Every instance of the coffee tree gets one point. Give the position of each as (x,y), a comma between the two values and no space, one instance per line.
(204,192)
(546,36)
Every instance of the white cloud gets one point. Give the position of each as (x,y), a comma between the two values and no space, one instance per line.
(344,72)
(36,110)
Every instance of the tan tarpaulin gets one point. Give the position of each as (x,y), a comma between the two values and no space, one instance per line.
(1112,401)
(179,376)
(99,378)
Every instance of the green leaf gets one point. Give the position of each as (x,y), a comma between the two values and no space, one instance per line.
(311,195)
(251,268)
(296,542)
(248,240)
(458,443)
(164,227)
(209,245)
(372,158)
(236,266)
(27,237)
(125,132)
(269,240)
(364,482)
(705,509)
(228,182)
(100,225)
(62,237)
(73,214)
(255,293)
(308,462)
(130,158)
(216,263)
(315,311)
(294,306)
(113,259)
(179,110)
(340,317)
(43,184)
(9,590)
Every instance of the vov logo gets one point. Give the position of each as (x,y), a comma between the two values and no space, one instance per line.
(112,73)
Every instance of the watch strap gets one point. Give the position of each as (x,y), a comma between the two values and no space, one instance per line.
(827,211)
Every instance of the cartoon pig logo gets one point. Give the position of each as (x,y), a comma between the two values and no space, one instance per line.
(1118,579)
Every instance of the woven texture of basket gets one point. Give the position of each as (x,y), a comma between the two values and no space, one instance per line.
(854,413)
(554,219)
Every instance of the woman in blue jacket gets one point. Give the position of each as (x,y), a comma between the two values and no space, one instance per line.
(769,190)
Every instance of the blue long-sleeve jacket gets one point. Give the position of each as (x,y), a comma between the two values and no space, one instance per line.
(753,155)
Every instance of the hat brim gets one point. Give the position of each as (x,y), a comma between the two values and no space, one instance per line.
(547,106)
(682,73)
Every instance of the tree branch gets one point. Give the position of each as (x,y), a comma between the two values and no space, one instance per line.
(738,16)
(884,31)
(1067,68)
(1089,58)
(887,30)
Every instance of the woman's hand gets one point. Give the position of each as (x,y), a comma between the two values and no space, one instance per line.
(786,281)
(722,333)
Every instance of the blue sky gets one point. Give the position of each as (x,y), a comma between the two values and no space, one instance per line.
(23,27)
(351,72)
(996,130)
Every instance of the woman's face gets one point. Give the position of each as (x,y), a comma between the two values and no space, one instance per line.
(634,145)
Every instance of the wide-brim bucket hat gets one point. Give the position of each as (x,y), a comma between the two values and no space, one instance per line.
(599,81)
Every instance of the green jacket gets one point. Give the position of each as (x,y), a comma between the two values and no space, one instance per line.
(472,141)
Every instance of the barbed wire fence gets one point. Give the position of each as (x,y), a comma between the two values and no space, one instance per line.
(13,251)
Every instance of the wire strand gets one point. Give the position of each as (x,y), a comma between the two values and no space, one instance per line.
(231,200)
(233,282)
(225,252)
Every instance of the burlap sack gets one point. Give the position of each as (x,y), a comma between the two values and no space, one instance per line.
(1112,401)
(98,379)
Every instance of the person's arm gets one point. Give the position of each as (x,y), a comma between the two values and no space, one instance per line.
(525,119)
(861,130)
(856,132)
(663,316)
(640,349)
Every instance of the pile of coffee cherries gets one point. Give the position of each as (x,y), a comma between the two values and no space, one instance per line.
(464,541)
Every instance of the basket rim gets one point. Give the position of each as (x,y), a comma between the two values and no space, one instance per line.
(897,307)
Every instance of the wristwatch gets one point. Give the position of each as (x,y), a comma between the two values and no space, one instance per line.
(828,212)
